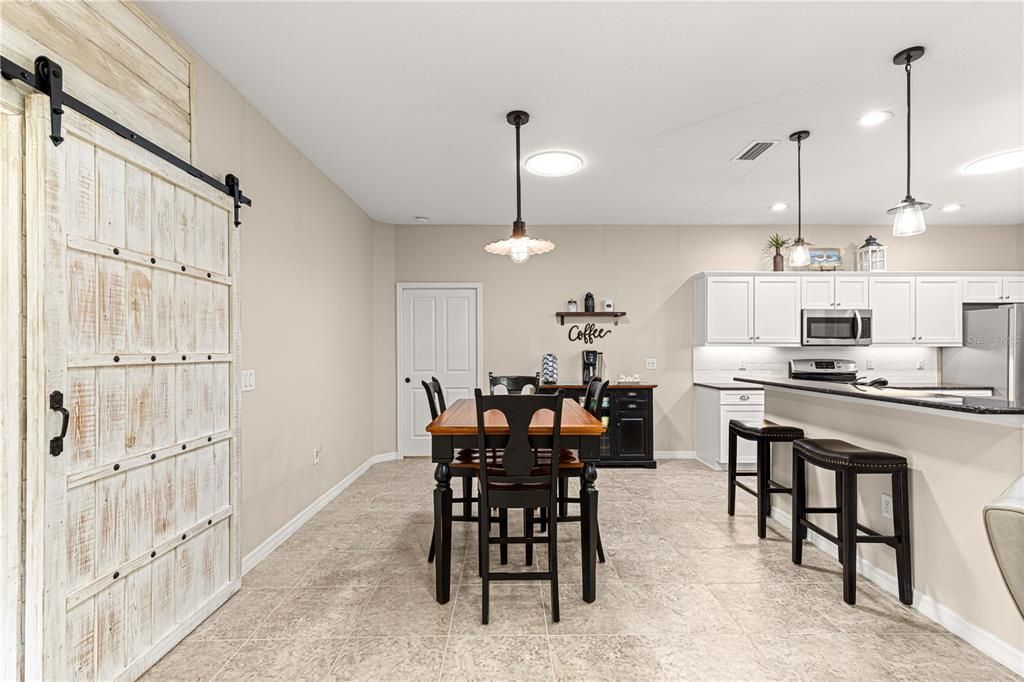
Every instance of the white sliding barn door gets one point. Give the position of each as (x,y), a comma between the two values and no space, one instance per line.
(438,336)
(132,531)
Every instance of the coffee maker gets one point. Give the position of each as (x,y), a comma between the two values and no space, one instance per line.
(593,365)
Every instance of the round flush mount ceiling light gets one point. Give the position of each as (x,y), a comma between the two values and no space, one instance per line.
(554,164)
(951,208)
(874,118)
(996,163)
(779,206)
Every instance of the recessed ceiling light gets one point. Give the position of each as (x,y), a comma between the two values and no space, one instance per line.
(996,163)
(554,164)
(951,208)
(780,206)
(421,219)
(873,118)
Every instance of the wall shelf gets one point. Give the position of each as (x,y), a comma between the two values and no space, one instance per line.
(613,315)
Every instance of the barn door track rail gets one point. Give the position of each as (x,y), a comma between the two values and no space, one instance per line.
(48,78)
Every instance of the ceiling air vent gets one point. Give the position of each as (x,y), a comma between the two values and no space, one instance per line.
(754,150)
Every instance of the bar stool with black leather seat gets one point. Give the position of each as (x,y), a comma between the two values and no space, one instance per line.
(764,433)
(519,480)
(849,461)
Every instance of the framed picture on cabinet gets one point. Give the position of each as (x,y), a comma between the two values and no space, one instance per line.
(826,258)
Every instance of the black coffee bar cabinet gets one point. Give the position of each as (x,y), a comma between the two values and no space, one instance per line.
(629,413)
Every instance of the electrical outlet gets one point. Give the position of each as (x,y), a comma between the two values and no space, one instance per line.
(743,366)
(869,363)
(887,506)
(651,363)
(316,455)
(920,364)
(248,380)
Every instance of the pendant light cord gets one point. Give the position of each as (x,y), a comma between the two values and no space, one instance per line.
(519,192)
(907,68)
(799,194)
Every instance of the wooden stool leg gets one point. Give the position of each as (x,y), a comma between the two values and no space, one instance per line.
(485,560)
(901,526)
(732,474)
(762,487)
(848,550)
(839,512)
(503,533)
(528,533)
(799,505)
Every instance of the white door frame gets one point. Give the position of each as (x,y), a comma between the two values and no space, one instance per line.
(400,288)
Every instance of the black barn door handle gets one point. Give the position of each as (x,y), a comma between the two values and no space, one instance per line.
(57,405)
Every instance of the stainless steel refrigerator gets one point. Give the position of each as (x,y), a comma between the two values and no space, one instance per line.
(992,354)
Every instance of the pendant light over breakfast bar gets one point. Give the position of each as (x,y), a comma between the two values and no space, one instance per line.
(799,256)
(519,246)
(909,212)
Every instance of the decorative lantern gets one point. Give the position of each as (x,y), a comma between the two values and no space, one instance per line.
(871,256)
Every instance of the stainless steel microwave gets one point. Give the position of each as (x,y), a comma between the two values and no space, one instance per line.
(830,327)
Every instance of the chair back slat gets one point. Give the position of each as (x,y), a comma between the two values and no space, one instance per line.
(518,463)
(513,383)
(593,405)
(442,404)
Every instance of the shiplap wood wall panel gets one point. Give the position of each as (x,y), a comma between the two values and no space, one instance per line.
(115,59)
(133,274)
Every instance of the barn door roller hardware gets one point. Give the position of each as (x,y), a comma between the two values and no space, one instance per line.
(48,78)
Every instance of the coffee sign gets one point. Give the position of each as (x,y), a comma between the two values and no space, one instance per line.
(588,333)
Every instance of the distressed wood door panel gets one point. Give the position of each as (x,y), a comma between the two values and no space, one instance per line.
(132,273)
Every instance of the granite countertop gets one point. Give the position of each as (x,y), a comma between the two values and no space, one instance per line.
(728,385)
(932,398)
(938,388)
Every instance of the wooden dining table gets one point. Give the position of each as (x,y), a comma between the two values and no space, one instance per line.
(456,428)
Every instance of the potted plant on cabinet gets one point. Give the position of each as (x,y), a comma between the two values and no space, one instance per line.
(777,243)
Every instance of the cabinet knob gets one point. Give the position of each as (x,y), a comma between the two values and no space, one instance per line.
(744,397)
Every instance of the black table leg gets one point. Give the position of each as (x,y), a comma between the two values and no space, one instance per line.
(443,532)
(588,514)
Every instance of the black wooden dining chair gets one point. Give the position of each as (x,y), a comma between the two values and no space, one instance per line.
(514,384)
(519,480)
(592,402)
(437,405)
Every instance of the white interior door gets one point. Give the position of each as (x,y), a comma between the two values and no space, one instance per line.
(132,535)
(438,336)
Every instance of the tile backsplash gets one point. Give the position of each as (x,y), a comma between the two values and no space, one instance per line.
(898,365)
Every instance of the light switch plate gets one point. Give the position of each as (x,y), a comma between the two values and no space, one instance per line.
(248,380)
(886,506)
(651,363)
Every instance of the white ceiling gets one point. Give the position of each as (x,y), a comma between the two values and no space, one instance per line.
(403,104)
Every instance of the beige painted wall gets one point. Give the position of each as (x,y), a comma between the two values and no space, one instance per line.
(646,270)
(310,311)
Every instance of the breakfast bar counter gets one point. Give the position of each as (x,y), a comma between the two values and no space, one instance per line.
(962,453)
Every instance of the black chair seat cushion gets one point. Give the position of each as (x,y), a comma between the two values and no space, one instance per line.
(752,429)
(831,453)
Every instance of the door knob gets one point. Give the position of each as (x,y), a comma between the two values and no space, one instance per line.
(407,380)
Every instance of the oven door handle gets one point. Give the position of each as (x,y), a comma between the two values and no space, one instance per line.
(860,325)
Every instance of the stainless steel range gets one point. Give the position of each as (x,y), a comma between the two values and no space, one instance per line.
(837,371)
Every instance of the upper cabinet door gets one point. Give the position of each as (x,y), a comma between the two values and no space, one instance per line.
(777,311)
(852,292)
(983,289)
(1013,289)
(818,292)
(940,311)
(893,307)
(730,309)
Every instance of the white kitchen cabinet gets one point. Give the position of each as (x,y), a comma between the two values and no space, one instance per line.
(939,311)
(819,293)
(714,409)
(729,310)
(1013,289)
(893,310)
(852,292)
(777,311)
(983,289)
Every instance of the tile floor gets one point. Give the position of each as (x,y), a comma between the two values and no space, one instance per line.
(687,593)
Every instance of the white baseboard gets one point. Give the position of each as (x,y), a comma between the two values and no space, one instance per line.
(982,640)
(674,454)
(284,532)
